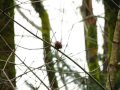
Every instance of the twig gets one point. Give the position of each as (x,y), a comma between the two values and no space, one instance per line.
(98,83)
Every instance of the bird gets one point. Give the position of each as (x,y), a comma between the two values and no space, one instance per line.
(58,45)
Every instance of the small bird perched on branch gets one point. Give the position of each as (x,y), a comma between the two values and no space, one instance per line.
(58,45)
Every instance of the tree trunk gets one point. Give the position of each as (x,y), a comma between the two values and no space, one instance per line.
(105,47)
(90,38)
(111,12)
(113,63)
(90,31)
(7,46)
(47,49)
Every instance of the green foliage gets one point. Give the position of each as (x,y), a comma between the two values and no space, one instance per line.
(66,71)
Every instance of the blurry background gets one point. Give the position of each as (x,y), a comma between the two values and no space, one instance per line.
(59,44)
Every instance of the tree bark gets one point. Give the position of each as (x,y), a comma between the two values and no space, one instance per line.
(90,38)
(113,63)
(7,46)
(47,49)
(111,12)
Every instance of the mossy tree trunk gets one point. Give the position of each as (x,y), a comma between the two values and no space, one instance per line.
(91,38)
(7,46)
(47,49)
(90,31)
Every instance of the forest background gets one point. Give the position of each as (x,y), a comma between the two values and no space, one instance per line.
(59,45)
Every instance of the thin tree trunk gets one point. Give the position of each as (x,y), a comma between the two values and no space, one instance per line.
(47,49)
(7,46)
(90,38)
(90,32)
